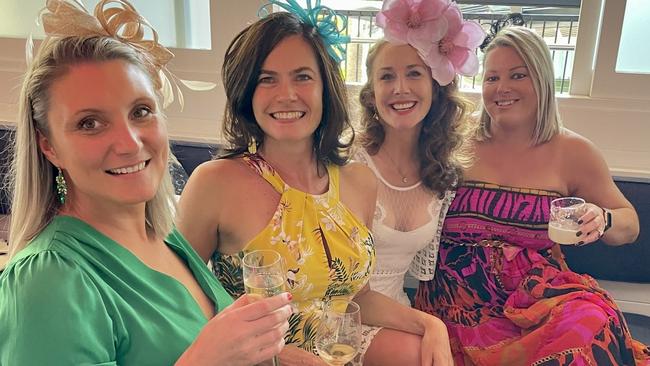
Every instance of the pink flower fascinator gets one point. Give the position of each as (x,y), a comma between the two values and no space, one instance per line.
(436,29)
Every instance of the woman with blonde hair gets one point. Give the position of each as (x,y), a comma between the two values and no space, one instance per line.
(98,273)
(502,286)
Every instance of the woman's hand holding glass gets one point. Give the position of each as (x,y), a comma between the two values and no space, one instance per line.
(264,276)
(592,224)
(247,332)
(575,222)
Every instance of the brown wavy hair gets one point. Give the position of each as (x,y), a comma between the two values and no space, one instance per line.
(443,144)
(241,68)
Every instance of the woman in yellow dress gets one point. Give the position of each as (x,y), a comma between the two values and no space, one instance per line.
(285,185)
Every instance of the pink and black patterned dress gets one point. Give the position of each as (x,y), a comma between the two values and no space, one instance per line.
(506,294)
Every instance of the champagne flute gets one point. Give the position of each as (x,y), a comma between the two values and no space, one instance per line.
(339,334)
(563,223)
(264,276)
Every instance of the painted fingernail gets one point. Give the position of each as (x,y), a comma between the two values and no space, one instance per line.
(579,222)
(289,296)
(581,242)
(579,233)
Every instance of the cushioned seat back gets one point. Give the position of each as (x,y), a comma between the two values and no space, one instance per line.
(627,263)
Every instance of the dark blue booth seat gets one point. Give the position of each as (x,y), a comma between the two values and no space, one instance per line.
(191,154)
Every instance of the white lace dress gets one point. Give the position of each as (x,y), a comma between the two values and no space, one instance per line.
(406,231)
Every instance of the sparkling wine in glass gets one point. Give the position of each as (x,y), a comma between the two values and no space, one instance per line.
(563,223)
(339,334)
(264,276)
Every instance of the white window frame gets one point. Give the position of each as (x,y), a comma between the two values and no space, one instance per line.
(607,83)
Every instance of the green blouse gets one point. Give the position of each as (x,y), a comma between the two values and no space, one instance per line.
(75,297)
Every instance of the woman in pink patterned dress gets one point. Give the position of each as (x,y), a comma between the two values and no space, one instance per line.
(501,285)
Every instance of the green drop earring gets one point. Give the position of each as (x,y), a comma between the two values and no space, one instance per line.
(61,186)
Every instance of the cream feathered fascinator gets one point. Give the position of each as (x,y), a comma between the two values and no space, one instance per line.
(117,19)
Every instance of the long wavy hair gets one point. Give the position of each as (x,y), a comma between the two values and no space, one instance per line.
(241,68)
(34,198)
(443,144)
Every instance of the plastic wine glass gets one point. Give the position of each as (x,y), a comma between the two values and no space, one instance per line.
(339,334)
(264,276)
(563,224)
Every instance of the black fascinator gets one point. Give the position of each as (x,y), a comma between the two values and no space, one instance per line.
(496,26)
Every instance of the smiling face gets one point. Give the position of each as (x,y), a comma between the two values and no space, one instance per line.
(402,85)
(508,93)
(107,135)
(288,99)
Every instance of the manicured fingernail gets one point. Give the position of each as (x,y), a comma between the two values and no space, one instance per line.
(579,233)
(579,222)
(289,296)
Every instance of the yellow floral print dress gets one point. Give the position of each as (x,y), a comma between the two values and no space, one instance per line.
(328,252)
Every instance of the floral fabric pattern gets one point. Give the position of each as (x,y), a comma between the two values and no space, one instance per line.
(328,252)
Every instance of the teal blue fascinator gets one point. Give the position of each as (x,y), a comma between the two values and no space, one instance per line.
(330,25)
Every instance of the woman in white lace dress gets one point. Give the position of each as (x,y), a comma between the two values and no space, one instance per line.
(412,138)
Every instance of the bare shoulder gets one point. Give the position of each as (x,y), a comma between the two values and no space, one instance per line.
(212,182)
(205,211)
(574,146)
(218,169)
(220,174)
(359,190)
(358,176)
(580,160)
(584,166)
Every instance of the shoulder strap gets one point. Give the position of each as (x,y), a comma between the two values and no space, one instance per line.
(265,170)
(334,185)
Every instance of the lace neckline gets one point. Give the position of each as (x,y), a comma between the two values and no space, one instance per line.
(373,167)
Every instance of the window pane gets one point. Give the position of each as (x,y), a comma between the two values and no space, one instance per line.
(633,52)
(179,23)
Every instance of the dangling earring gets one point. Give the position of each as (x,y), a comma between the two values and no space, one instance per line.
(252,146)
(61,186)
(375,116)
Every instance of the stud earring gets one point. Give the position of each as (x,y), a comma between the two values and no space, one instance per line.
(61,186)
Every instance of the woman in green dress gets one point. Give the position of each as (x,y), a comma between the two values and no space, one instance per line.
(98,273)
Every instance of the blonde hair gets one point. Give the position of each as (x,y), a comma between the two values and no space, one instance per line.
(537,57)
(34,200)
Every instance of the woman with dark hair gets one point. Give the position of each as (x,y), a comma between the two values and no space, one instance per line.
(98,274)
(285,186)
